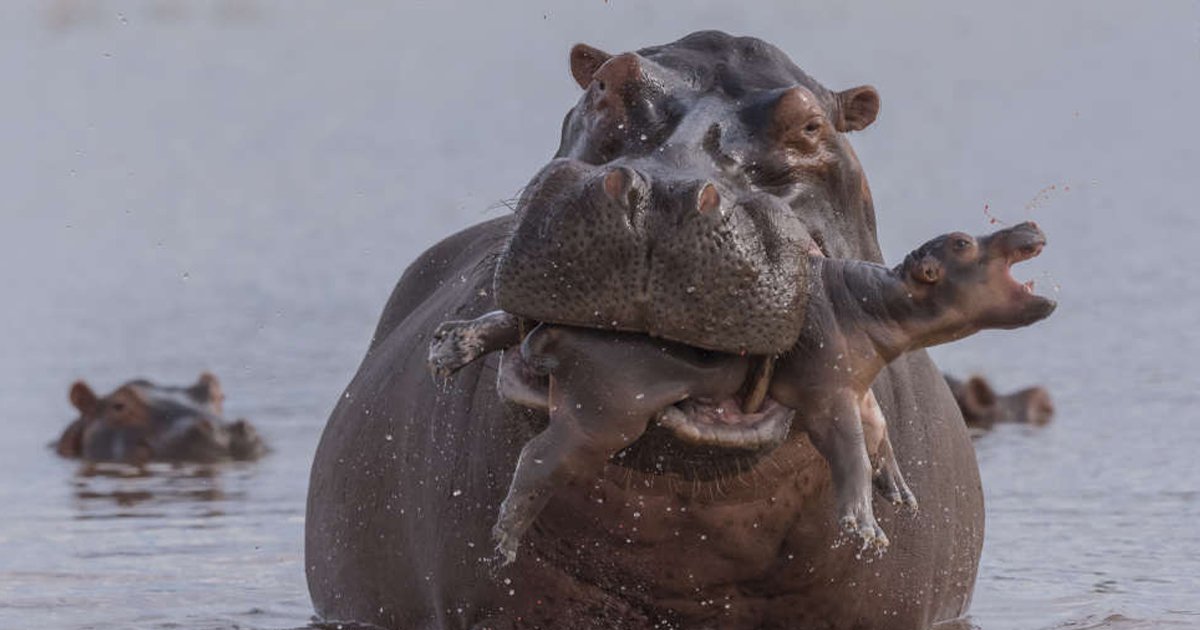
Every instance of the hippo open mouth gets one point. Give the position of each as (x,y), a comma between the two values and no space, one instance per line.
(1019,244)
(725,424)
(1022,252)
(738,413)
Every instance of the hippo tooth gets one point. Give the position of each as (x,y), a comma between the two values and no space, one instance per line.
(763,371)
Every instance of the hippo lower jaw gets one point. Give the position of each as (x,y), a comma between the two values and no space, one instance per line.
(723,423)
(1021,247)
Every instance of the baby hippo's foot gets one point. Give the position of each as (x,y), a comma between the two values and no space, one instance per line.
(890,484)
(858,522)
(454,345)
(888,479)
(507,543)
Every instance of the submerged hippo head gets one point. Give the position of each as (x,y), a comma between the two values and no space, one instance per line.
(691,180)
(982,407)
(141,422)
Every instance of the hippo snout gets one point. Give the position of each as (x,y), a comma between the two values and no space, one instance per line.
(634,246)
(1020,242)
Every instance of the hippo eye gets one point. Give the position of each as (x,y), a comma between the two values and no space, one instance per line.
(118,406)
(812,127)
(961,244)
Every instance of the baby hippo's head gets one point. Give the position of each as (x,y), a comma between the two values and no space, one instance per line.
(964,284)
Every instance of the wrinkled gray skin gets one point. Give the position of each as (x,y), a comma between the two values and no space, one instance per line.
(408,477)
(982,407)
(141,422)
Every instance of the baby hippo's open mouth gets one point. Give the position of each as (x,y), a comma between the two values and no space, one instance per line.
(1018,244)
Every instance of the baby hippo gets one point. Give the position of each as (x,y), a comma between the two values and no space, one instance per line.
(140,422)
(603,388)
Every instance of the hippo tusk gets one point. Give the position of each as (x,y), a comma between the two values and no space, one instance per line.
(764,368)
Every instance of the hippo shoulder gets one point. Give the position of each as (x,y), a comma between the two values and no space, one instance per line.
(432,269)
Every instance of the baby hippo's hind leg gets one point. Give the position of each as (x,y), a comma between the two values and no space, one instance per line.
(456,344)
(836,430)
(888,479)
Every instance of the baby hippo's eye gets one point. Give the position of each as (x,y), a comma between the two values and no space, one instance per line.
(119,406)
(961,244)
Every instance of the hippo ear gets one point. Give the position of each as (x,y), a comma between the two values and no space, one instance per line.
(857,108)
(84,399)
(208,389)
(585,61)
(927,271)
(980,393)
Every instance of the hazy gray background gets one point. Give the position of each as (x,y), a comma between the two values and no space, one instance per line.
(236,185)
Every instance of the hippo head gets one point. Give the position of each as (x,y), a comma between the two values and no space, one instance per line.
(965,283)
(983,407)
(691,181)
(141,422)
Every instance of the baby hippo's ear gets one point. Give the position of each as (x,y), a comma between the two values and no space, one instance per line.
(928,270)
(83,398)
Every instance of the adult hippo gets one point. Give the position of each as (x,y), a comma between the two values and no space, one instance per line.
(982,407)
(746,158)
(141,422)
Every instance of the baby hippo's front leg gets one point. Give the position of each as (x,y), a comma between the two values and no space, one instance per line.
(457,343)
(836,431)
(582,435)
(604,388)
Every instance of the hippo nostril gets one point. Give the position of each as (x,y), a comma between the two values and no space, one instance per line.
(624,186)
(708,199)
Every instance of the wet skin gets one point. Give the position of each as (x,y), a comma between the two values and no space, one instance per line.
(984,408)
(602,391)
(140,422)
(692,182)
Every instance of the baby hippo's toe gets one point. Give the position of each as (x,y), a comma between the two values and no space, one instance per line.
(890,484)
(861,525)
(506,545)
(454,345)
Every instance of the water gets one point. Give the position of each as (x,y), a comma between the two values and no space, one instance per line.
(236,185)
